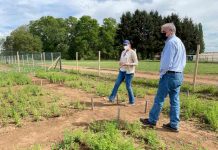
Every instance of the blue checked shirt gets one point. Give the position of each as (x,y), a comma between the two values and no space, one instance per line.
(173,56)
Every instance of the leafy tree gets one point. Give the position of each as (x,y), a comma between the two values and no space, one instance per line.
(200,38)
(87,37)
(70,24)
(22,40)
(52,32)
(107,38)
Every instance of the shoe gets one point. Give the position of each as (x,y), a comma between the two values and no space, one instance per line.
(168,126)
(108,100)
(130,104)
(147,123)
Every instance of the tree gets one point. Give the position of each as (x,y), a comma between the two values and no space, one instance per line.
(188,35)
(52,32)
(87,37)
(107,38)
(70,24)
(200,38)
(22,40)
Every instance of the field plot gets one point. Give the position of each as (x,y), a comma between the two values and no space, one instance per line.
(146,66)
(52,110)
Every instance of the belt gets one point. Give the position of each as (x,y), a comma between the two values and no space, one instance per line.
(172,72)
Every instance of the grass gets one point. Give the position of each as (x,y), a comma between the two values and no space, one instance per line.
(13,78)
(29,101)
(201,105)
(146,66)
(78,105)
(205,111)
(93,84)
(109,135)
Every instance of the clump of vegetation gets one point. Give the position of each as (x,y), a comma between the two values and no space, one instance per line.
(78,105)
(13,78)
(191,106)
(28,101)
(104,135)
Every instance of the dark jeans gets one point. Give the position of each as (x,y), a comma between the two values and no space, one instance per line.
(128,79)
(169,84)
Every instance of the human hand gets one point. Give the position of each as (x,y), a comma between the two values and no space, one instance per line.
(125,64)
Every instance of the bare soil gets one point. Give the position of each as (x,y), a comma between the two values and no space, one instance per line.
(50,131)
(201,79)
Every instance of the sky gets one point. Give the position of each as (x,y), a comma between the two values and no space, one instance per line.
(14,13)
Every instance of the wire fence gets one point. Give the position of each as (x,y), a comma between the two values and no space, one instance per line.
(30,61)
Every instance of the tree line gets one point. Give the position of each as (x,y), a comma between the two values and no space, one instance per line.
(86,36)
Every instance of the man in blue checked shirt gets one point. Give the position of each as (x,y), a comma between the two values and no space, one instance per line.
(173,60)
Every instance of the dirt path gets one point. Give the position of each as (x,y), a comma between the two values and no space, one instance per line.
(201,79)
(50,131)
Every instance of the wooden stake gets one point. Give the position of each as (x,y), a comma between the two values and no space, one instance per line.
(18,61)
(117,100)
(41,82)
(99,61)
(188,93)
(92,103)
(146,106)
(118,115)
(196,66)
(77,66)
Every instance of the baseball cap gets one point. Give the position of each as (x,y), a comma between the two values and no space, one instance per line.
(125,42)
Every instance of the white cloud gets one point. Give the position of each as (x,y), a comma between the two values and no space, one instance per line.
(14,13)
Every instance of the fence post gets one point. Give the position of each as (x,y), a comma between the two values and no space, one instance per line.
(14,59)
(27,57)
(23,60)
(60,62)
(44,60)
(18,61)
(99,61)
(77,67)
(41,61)
(52,58)
(196,66)
(33,60)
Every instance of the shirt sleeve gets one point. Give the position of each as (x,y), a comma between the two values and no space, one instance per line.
(134,58)
(167,57)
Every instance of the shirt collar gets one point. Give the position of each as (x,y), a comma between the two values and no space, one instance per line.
(170,37)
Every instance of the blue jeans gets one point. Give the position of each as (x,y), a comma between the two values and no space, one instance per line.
(128,79)
(170,84)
